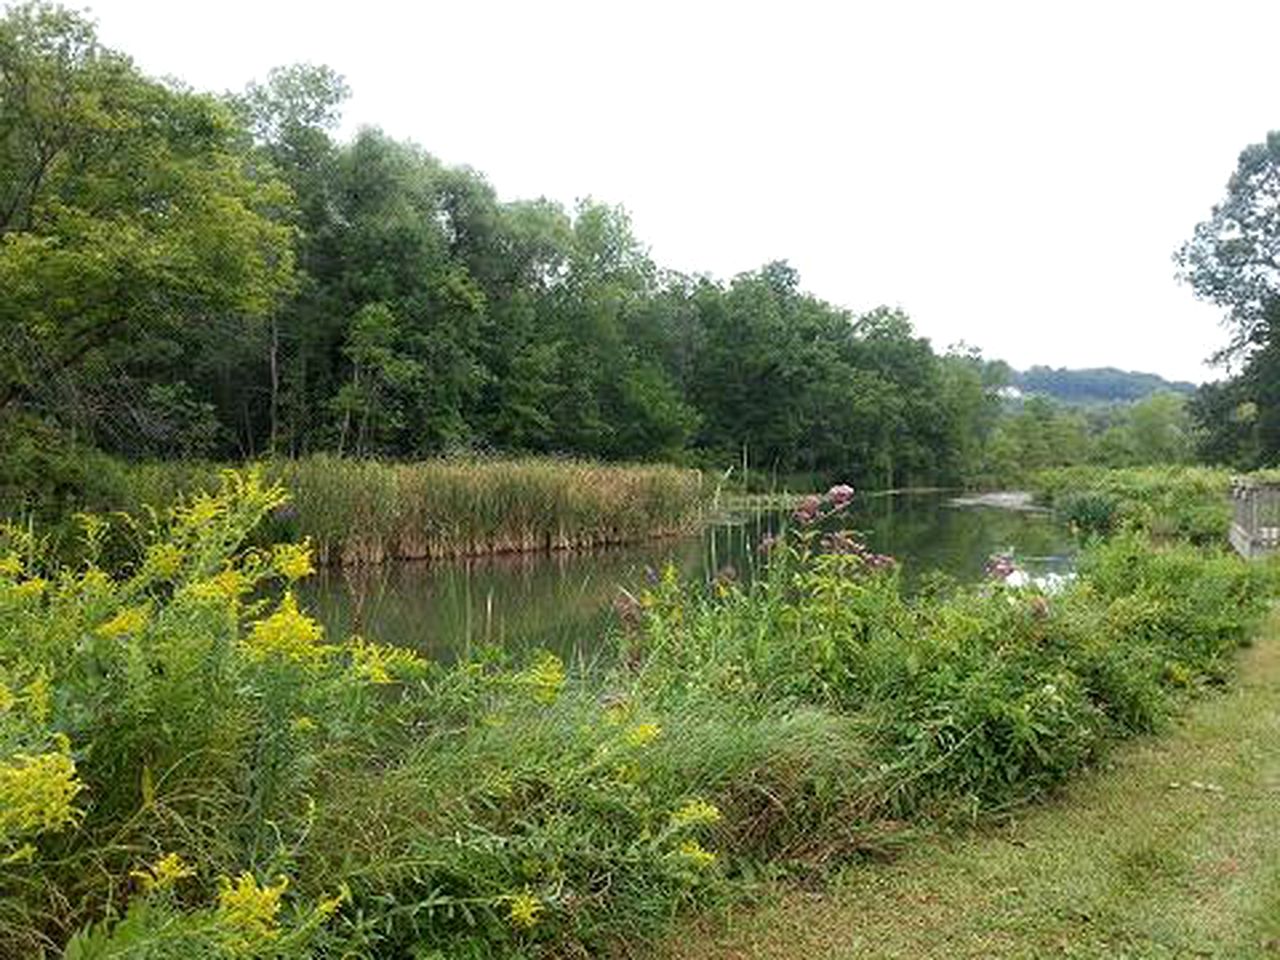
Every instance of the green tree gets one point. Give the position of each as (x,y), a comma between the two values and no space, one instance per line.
(126,205)
(370,405)
(1233,260)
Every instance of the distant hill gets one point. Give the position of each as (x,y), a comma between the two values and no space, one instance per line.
(1095,385)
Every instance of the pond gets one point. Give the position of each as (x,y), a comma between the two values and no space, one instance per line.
(562,602)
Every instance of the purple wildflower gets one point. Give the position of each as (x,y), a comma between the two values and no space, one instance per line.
(840,494)
(809,509)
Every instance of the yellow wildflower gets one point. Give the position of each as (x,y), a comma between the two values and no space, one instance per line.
(31,589)
(10,565)
(94,582)
(288,634)
(248,911)
(643,733)
(381,664)
(328,906)
(524,909)
(37,794)
(163,561)
(292,560)
(302,724)
(129,620)
(695,813)
(229,585)
(201,510)
(163,874)
(545,678)
(696,854)
(38,695)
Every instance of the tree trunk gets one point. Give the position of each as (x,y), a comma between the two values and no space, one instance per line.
(275,384)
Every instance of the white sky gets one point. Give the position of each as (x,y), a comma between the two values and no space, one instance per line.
(1014,175)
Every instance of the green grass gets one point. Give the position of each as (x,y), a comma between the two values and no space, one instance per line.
(1169,851)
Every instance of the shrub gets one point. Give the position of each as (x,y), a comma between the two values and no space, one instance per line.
(1168,502)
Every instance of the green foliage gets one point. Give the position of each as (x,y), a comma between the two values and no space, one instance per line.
(1188,503)
(195,276)
(1090,513)
(127,207)
(189,767)
(1230,262)
(45,475)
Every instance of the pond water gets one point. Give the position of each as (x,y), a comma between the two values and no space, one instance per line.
(562,602)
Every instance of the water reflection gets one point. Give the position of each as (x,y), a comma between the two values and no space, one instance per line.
(562,602)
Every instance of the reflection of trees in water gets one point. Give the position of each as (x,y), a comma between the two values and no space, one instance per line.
(561,601)
(927,535)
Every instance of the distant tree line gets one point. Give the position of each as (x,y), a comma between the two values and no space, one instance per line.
(1096,385)
(194,275)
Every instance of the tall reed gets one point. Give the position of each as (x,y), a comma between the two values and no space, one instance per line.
(364,511)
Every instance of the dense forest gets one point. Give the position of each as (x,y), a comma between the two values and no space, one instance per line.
(196,275)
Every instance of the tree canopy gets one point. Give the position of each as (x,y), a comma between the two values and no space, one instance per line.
(1233,260)
(188,274)
(127,208)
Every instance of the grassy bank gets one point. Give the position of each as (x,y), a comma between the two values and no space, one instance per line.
(1183,503)
(1169,852)
(190,768)
(365,511)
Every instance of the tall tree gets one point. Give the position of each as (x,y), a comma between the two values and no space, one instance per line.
(126,205)
(1233,260)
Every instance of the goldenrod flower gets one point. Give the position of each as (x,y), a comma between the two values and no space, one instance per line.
(524,909)
(228,585)
(201,510)
(247,911)
(327,907)
(37,794)
(380,664)
(292,560)
(130,620)
(288,634)
(38,694)
(696,855)
(163,561)
(31,589)
(545,679)
(10,565)
(643,733)
(695,813)
(163,874)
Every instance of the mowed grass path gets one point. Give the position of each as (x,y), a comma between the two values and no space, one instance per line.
(1173,850)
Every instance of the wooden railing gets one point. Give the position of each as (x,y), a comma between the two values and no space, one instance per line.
(1255,527)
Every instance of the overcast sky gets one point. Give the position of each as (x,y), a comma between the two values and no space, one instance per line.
(1014,175)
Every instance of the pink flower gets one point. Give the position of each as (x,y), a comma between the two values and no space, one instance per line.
(808,510)
(840,494)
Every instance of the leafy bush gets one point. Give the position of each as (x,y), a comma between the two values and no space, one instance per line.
(1169,502)
(45,474)
(1091,514)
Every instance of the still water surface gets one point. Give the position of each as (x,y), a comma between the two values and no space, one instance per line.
(562,602)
